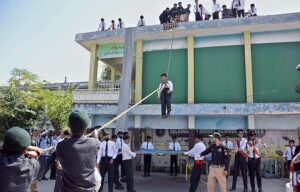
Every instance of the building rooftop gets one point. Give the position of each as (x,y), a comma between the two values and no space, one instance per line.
(197,28)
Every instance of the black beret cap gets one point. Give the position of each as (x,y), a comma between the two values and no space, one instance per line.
(78,120)
(16,139)
(252,133)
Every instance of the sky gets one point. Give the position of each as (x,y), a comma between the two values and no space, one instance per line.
(40,35)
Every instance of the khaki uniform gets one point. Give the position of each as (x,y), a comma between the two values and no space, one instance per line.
(216,174)
(219,163)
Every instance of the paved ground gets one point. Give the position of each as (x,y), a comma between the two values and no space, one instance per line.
(164,183)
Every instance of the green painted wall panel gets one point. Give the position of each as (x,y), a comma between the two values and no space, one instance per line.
(220,75)
(274,74)
(155,63)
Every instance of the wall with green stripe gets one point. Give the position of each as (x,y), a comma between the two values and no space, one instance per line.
(220,74)
(274,74)
(155,63)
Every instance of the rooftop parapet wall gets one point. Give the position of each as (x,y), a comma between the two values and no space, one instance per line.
(203,28)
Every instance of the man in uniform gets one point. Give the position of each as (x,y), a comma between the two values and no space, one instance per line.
(147,145)
(240,160)
(118,161)
(228,143)
(289,153)
(165,90)
(107,156)
(198,161)
(218,170)
(174,146)
(77,156)
(253,146)
(18,164)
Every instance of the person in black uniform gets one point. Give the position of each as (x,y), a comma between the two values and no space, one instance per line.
(240,161)
(165,16)
(218,170)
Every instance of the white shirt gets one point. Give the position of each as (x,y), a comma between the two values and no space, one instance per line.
(127,153)
(141,23)
(121,25)
(243,144)
(250,147)
(196,151)
(241,4)
(119,143)
(204,11)
(252,12)
(196,8)
(216,7)
(102,26)
(228,144)
(99,152)
(112,27)
(43,143)
(163,85)
(147,147)
(111,150)
(289,153)
(176,146)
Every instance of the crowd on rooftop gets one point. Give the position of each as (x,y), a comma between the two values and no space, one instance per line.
(180,14)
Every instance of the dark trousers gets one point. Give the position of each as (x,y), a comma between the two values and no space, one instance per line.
(105,166)
(172,163)
(240,163)
(58,180)
(234,12)
(241,13)
(289,164)
(216,15)
(165,101)
(117,163)
(207,17)
(254,169)
(128,168)
(195,177)
(147,164)
(198,17)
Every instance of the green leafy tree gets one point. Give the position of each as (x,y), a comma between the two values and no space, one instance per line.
(106,73)
(19,101)
(24,103)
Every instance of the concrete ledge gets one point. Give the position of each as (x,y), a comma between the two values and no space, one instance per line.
(228,26)
(201,109)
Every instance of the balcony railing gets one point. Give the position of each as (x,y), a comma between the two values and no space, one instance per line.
(107,92)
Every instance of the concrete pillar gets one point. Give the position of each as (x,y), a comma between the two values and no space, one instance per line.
(191,87)
(248,71)
(93,67)
(138,78)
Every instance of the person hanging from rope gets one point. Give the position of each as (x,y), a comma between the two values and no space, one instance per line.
(165,90)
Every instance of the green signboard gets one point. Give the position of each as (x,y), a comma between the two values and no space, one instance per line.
(110,50)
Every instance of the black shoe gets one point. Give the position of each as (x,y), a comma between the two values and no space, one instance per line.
(232,189)
(45,178)
(164,116)
(260,190)
(120,187)
(53,178)
(168,114)
(253,190)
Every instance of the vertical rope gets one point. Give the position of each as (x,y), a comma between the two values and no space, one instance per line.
(171,51)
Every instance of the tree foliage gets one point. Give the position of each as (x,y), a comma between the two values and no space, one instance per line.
(25,104)
(106,73)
